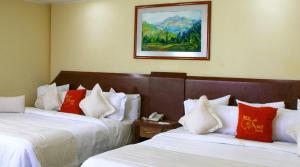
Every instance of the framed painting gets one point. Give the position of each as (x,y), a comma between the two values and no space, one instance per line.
(173,31)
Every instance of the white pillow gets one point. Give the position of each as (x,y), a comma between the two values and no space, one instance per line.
(132,107)
(118,101)
(298,145)
(298,104)
(286,125)
(229,117)
(61,90)
(293,126)
(41,90)
(96,105)
(61,96)
(201,119)
(49,99)
(12,104)
(274,104)
(190,103)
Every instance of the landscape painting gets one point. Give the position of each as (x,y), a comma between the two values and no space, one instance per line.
(173,31)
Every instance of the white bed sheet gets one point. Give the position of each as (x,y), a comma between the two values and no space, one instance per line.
(178,148)
(23,136)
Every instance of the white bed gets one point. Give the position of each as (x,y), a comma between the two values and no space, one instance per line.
(51,139)
(179,148)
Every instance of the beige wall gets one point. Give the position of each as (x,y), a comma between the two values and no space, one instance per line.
(250,38)
(24,48)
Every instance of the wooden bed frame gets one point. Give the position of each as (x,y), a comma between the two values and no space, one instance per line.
(165,92)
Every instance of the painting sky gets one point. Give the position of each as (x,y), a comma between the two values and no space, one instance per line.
(157,17)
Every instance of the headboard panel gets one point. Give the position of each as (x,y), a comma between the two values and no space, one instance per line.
(165,92)
(251,90)
(127,83)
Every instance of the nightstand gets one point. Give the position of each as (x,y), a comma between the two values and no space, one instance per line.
(147,129)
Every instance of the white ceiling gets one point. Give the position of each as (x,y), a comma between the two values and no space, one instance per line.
(55,1)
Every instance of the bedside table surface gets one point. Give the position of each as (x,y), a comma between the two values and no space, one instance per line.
(172,124)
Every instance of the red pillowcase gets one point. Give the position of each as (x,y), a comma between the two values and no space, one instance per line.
(255,123)
(72,100)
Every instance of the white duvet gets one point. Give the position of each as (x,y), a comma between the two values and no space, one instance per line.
(54,139)
(178,148)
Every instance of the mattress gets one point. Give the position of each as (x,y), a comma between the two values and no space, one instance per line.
(178,148)
(49,138)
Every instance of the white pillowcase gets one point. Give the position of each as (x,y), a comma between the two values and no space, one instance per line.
(201,119)
(274,104)
(293,124)
(12,104)
(132,108)
(41,90)
(298,145)
(190,103)
(61,91)
(229,117)
(96,105)
(118,101)
(48,98)
(61,96)
(132,105)
(286,125)
(298,104)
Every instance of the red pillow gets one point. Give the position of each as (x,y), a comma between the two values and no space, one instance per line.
(72,100)
(255,123)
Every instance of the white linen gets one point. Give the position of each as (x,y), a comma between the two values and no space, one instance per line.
(62,96)
(118,101)
(298,104)
(229,117)
(48,98)
(132,107)
(286,125)
(190,103)
(24,137)
(12,104)
(201,119)
(43,89)
(179,148)
(96,105)
(298,145)
(274,104)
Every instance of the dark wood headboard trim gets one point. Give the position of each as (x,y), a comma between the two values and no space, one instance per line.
(127,83)
(251,90)
(165,92)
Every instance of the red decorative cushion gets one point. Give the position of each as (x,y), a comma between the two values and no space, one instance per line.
(255,123)
(72,100)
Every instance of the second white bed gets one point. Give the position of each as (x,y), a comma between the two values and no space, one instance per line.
(178,148)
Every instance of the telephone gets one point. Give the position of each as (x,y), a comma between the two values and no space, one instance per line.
(155,117)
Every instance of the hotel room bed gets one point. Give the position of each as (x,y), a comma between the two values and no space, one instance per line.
(179,148)
(49,138)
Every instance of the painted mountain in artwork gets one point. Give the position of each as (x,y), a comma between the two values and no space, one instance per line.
(175,33)
(176,24)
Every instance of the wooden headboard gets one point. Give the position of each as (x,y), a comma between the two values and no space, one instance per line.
(127,83)
(165,92)
(250,90)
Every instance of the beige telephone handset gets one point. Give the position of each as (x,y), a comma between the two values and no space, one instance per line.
(155,117)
